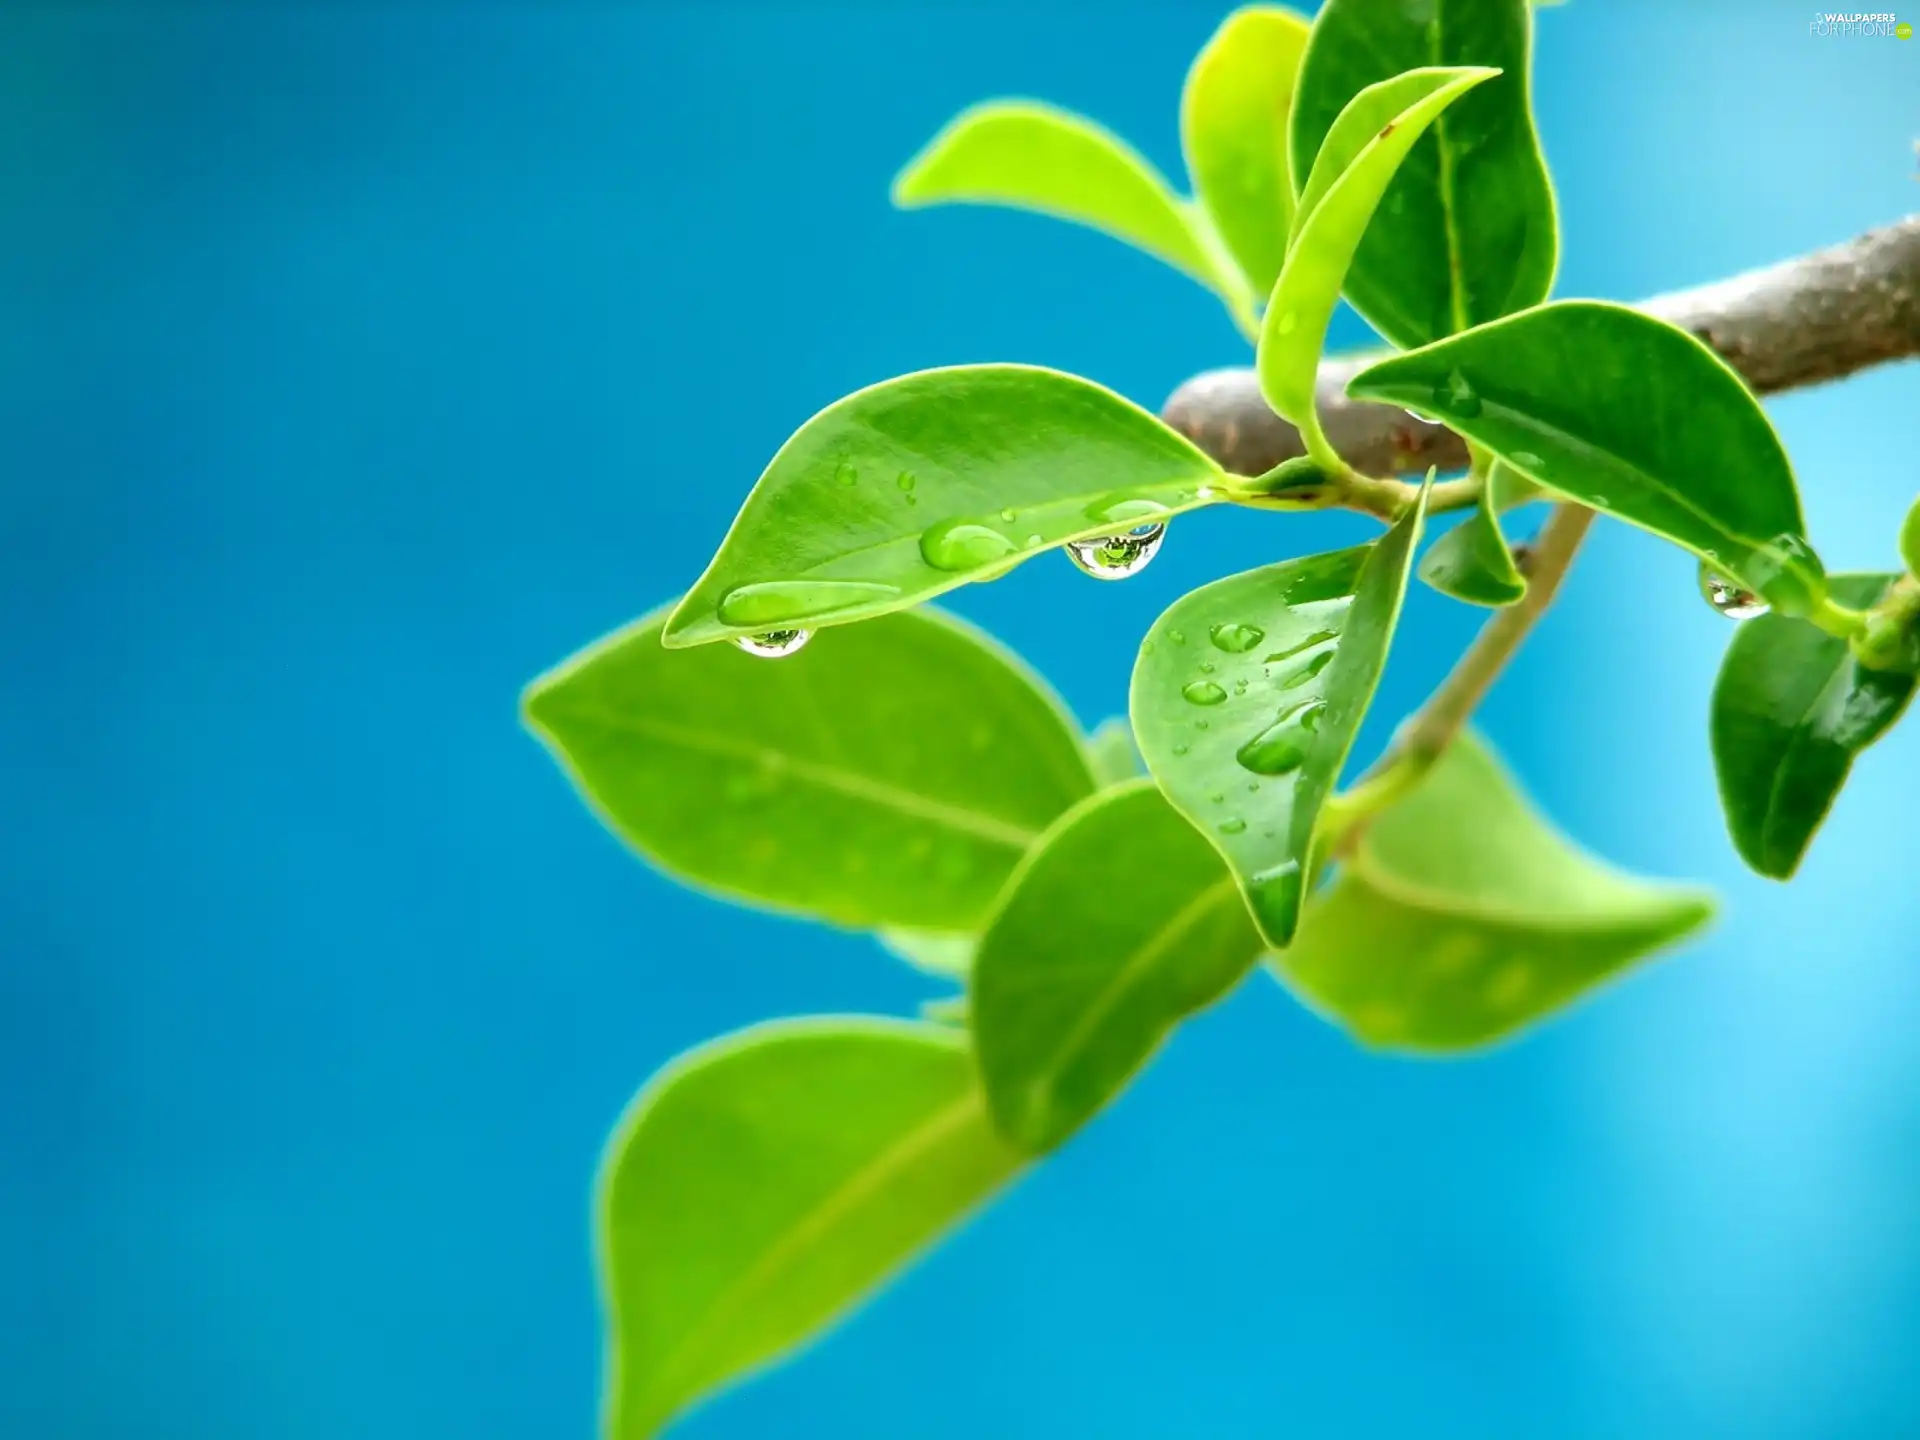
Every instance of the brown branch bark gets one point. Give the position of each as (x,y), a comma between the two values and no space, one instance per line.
(1816,318)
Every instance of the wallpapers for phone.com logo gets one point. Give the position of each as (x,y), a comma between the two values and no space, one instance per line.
(1859,22)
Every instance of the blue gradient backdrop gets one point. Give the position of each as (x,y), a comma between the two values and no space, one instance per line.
(356,363)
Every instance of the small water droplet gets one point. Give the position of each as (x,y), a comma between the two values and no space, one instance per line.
(905,480)
(769,602)
(772,644)
(1034,542)
(1240,687)
(1236,639)
(1253,787)
(1203,692)
(1233,825)
(1126,508)
(1287,322)
(1115,557)
(911,499)
(1456,396)
(1218,797)
(1199,724)
(1307,671)
(1206,667)
(1318,637)
(1180,749)
(845,473)
(1728,597)
(1179,637)
(1007,516)
(1146,647)
(954,545)
(1529,462)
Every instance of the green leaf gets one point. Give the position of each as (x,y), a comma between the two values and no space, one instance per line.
(762,1185)
(1791,710)
(911,487)
(1037,157)
(1248,693)
(1112,753)
(1365,147)
(1471,562)
(1630,415)
(937,952)
(1233,126)
(1462,916)
(1466,232)
(946,1010)
(1910,540)
(1121,922)
(887,774)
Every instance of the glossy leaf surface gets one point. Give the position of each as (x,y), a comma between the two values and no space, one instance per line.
(913,486)
(1466,232)
(1630,415)
(1040,158)
(1112,753)
(1120,923)
(1463,916)
(1472,561)
(1791,710)
(765,1183)
(1233,124)
(1910,540)
(887,774)
(1368,143)
(1248,693)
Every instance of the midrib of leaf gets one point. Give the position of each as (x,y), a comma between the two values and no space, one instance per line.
(990,828)
(1135,967)
(1456,285)
(1441,902)
(836,1206)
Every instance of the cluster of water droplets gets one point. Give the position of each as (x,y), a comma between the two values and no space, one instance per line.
(1727,596)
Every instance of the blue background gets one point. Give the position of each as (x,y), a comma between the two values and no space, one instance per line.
(359,362)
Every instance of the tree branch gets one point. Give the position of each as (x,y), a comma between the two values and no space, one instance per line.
(1817,318)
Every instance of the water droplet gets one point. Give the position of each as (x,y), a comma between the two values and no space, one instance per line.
(1218,797)
(1179,637)
(1206,667)
(954,545)
(845,473)
(771,602)
(1286,322)
(1007,516)
(1281,748)
(1253,787)
(1307,671)
(772,644)
(1203,692)
(1319,637)
(1727,597)
(1199,724)
(1233,825)
(1456,396)
(1125,508)
(1240,687)
(1236,639)
(1205,493)
(911,499)
(1529,462)
(1115,557)
(1146,647)
(905,481)
(1180,749)
(1034,542)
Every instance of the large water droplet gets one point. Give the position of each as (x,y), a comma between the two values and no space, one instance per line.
(1307,671)
(1115,557)
(772,644)
(1281,748)
(1727,596)
(769,602)
(1236,639)
(1232,825)
(1203,692)
(1318,637)
(963,545)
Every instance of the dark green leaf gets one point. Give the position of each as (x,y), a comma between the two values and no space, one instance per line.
(1466,233)
(1366,146)
(1791,710)
(1630,415)
(1121,922)
(1233,122)
(765,1183)
(888,774)
(1471,562)
(1462,917)
(937,952)
(1036,157)
(1112,753)
(1248,693)
(911,487)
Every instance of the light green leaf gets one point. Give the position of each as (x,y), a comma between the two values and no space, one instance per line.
(1248,693)
(1910,540)
(887,774)
(1112,753)
(1036,157)
(911,487)
(937,952)
(1121,922)
(1791,710)
(1233,125)
(1630,415)
(1462,917)
(946,1010)
(1466,232)
(1367,144)
(762,1185)
(1471,562)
